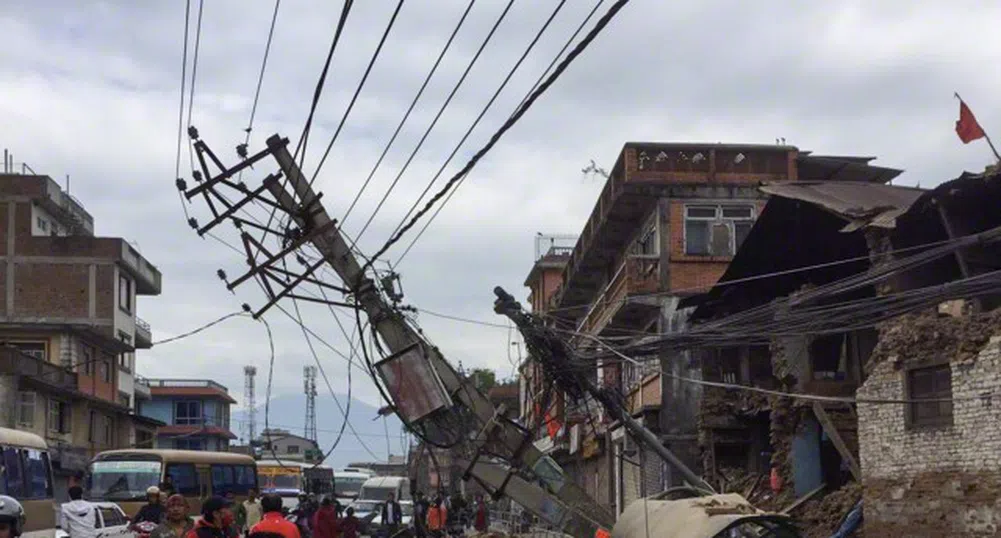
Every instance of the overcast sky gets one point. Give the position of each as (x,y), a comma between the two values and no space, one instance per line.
(91,89)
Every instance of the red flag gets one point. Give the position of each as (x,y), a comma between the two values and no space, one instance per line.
(967,127)
(552,426)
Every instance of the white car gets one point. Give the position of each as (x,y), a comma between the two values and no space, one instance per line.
(110,522)
(407,507)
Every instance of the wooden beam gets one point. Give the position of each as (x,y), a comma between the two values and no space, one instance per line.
(839,443)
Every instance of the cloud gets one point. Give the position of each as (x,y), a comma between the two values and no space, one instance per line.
(91,89)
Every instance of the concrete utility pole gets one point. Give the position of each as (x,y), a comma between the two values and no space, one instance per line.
(567,507)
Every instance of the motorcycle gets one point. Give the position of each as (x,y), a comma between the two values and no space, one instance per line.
(144,529)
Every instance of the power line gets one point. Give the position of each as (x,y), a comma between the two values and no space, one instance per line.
(599,26)
(194,75)
(529,93)
(410,109)
(483,112)
(180,111)
(354,98)
(199,329)
(434,121)
(260,77)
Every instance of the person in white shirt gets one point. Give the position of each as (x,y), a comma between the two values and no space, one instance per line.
(78,517)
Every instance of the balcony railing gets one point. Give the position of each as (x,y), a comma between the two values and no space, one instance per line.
(144,334)
(186,383)
(15,362)
(637,275)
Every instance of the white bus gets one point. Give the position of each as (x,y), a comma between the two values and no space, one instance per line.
(348,483)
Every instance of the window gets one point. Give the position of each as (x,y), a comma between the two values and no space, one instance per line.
(245,478)
(88,361)
(186,443)
(292,449)
(930,383)
(125,361)
(125,399)
(92,427)
(223,480)
(13,473)
(144,439)
(43,225)
(31,349)
(112,516)
(109,431)
(59,416)
(188,412)
(26,409)
(646,243)
(38,472)
(184,477)
(124,293)
(828,359)
(713,230)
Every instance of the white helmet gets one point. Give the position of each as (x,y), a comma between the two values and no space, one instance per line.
(12,513)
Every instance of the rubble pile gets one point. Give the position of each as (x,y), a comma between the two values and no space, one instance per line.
(930,334)
(819,518)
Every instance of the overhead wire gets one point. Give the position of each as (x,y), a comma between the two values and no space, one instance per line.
(577,50)
(180,111)
(358,89)
(406,115)
(434,121)
(483,112)
(260,77)
(538,81)
(194,75)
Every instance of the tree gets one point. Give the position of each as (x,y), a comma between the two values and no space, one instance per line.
(484,379)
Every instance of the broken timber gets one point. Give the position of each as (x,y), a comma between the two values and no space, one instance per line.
(839,443)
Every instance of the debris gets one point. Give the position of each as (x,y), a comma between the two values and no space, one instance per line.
(819,518)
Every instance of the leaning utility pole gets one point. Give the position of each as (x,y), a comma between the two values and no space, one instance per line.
(426,391)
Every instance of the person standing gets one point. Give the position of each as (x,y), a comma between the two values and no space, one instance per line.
(273,522)
(249,512)
(216,516)
(177,524)
(391,514)
(420,515)
(437,517)
(349,525)
(481,520)
(78,517)
(325,523)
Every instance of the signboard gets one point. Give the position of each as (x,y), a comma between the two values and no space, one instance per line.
(413,384)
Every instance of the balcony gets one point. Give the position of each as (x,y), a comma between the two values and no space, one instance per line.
(144,335)
(141,389)
(35,370)
(637,276)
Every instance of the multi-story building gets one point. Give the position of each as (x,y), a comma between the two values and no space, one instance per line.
(68,324)
(665,227)
(288,446)
(196,413)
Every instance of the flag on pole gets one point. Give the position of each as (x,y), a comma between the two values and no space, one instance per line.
(967,127)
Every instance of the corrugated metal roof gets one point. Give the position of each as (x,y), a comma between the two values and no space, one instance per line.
(862,204)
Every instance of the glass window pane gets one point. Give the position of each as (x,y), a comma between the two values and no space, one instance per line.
(184,477)
(701,212)
(37,468)
(721,245)
(737,212)
(13,473)
(741,230)
(696,237)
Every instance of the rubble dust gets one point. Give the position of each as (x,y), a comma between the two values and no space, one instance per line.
(819,518)
(928,335)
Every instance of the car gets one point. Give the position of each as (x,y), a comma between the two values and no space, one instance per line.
(407,507)
(366,510)
(111,522)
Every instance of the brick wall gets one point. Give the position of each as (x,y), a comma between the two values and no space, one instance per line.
(51,290)
(938,482)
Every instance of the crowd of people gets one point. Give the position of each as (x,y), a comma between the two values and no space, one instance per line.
(266,517)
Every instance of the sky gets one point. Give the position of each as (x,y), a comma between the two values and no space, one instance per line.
(91,90)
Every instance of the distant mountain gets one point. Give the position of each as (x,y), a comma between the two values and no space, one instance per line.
(289,413)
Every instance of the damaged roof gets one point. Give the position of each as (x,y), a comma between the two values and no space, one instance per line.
(861,204)
(843,168)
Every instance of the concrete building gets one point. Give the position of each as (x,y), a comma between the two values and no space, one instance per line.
(196,413)
(665,227)
(288,446)
(396,466)
(922,468)
(68,325)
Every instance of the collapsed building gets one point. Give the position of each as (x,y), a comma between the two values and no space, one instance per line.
(923,440)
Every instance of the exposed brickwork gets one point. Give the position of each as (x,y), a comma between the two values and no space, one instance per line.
(21,185)
(3,228)
(689,277)
(933,482)
(46,289)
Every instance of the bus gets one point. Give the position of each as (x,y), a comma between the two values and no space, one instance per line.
(289,479)
(122,476)
(27,476)
(348,483)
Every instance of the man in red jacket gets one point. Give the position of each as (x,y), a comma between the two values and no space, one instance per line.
(273,524)
(325,520)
